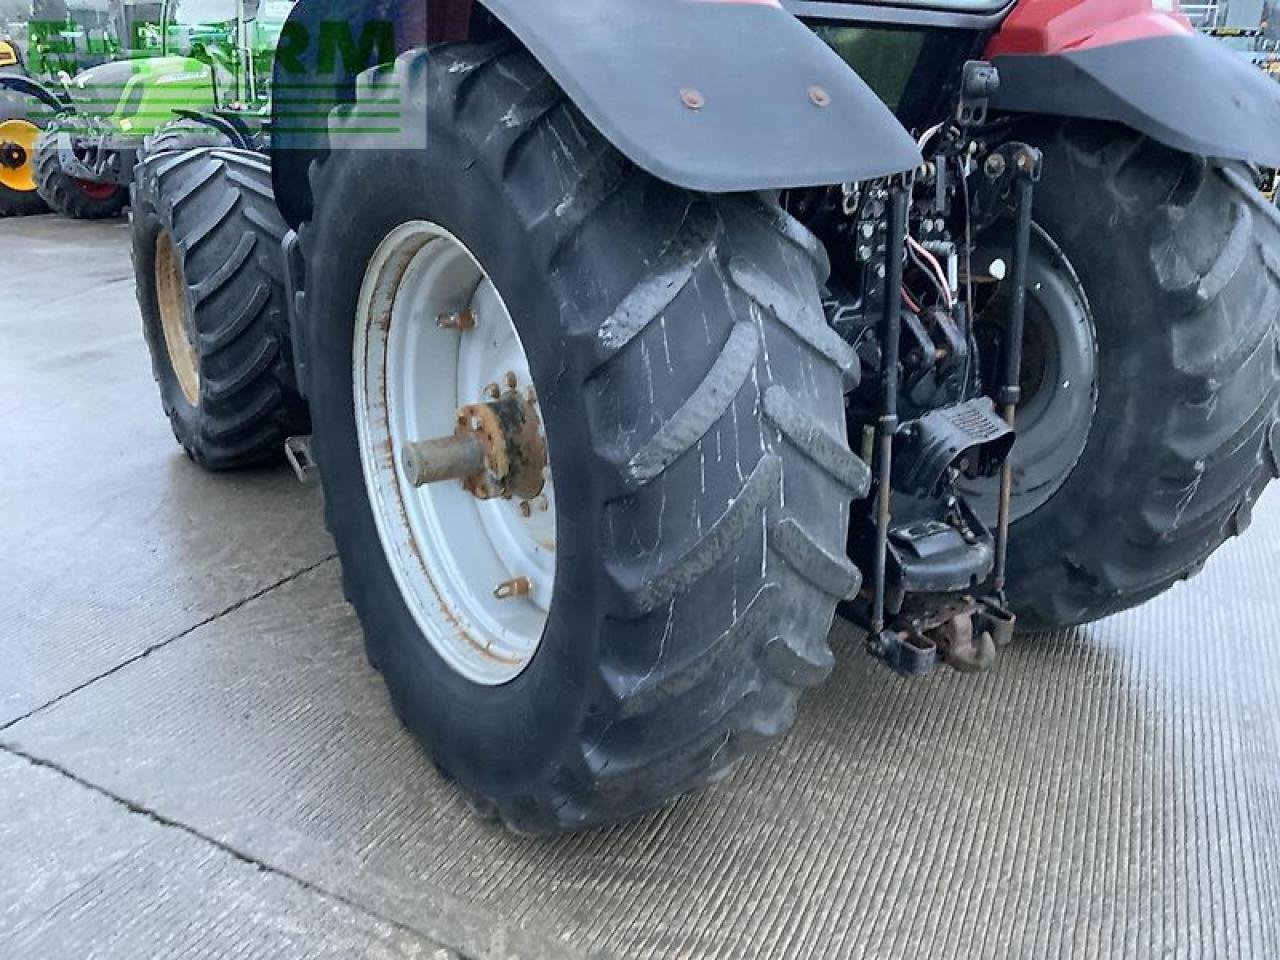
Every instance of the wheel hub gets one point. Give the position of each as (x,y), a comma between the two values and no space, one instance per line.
(497,448)
(12,155)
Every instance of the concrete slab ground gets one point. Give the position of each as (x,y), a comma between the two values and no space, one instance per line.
(195,759)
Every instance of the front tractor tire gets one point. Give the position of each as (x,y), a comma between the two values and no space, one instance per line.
(211,288)
(690,397)
(1177,260)
(68,195)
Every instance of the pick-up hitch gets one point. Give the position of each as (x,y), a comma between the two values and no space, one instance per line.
(965,636)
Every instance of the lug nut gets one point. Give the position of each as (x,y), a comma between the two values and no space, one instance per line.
(493,391)
(466,320)
(512,589)
(511,380)
(526,511)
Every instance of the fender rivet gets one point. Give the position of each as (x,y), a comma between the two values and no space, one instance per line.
(693,99)
(820,97)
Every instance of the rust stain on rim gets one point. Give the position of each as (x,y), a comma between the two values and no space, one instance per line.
(383,317)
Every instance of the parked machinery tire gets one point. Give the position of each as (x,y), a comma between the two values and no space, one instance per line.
(692,399)
(18,136)
(183,134)
(211,288)
(67,195)
(1178,260)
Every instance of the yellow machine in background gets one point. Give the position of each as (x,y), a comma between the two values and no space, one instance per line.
(18,135)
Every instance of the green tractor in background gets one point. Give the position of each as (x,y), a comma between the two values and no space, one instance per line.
(191,73)
(48,41)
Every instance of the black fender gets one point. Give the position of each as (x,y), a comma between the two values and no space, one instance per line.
(27,87)
(712,95)
(1188,92)
(231,126)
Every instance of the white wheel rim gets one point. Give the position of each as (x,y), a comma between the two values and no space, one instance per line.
(448,550)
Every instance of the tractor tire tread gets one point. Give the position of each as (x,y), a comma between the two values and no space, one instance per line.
(1208,243)
(224,231)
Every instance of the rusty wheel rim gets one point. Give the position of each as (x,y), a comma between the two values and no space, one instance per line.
(435,346)
(172,300)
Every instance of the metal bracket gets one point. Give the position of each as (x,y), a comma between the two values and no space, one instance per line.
(979,82)
(105,166)
(297,450)
(911,656)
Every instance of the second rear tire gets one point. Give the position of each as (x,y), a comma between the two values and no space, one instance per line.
(1177,262)
(211,288)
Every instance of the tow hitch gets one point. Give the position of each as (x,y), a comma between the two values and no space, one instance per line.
(965,636)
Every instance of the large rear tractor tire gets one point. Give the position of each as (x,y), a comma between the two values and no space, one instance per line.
(67,195)
(1168,266)
(211,288)
(18,194)
(669,598)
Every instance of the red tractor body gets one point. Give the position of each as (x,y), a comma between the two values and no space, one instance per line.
(1056,26)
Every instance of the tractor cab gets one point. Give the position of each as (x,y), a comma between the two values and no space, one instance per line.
(206,31)
(234,39)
